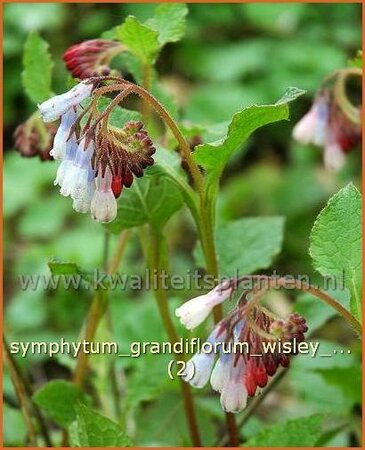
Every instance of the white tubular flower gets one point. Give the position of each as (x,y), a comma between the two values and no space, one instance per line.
(80,175)
(103,205)
(234,393)
(82,204)
(221,372)
(56,106)
(195,311)
(198,369)
(60,140)
(304,130)
(312,128)
(67,163)
(200,366)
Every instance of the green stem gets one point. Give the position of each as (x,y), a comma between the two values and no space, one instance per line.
(207,240)
(170,122)
(147,85)
(351,111)
(156,265)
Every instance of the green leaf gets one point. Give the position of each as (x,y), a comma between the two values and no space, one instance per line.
(140,39)
(37,71)
(58,399)
(169,21)
(335,242)
(301,432)
(71,270)
(311,388)
(348,379)
(152,199)
(214,156)
(58,267)
(246,245)
(91,429)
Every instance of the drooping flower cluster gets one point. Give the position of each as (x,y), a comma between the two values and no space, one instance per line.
(91,58)
(240,371)
(328,125)
(97,160)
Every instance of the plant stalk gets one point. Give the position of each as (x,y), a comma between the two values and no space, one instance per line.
(156,265)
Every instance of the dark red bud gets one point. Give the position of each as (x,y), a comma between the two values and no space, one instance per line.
(117,185)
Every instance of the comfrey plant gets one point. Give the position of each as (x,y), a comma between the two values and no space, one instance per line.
(134,169)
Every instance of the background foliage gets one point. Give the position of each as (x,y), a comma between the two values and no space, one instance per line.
(232,56)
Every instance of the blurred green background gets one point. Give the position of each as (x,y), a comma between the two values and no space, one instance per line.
(233,55)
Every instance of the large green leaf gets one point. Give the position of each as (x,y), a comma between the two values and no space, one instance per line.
(348,379)
(301,432)
(58,399)
(169,21)
(91,429)
(37,71)
(246,245)
(335,243)
(311,388)
(214,156)
(141,40)
(151,199)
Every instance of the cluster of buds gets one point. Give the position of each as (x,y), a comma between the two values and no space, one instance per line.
(332,123)
(239,374)
(97,160)
(34,138)
(91,58)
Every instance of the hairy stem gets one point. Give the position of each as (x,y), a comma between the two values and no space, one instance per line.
(275,283)
(170,122)
(147,85)
(208,244)
(156,265)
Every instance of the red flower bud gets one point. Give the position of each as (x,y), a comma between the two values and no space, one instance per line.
(91,58)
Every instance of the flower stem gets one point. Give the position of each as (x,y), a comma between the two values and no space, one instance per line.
(208,244)
(147,85)
(156,265)
(275,282)
(170,122)
(351,111)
